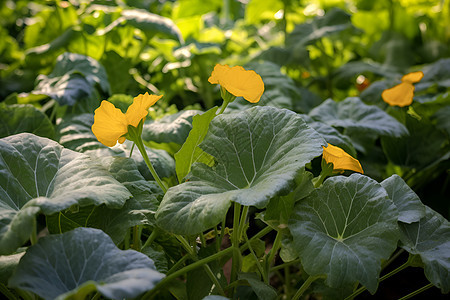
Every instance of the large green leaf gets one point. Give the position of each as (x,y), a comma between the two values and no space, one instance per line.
(408,204)
(75,133)
(344,229)
(115,222)
(430,239)
(190,152)
(258,153)
(73,78)
(20,118)
(353,114)
(38,174)
(76,263)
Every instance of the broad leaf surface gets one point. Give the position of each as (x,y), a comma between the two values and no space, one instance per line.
(261,289)
(408,204)
(344,229)
(258,153)
(430,239)
(353,114)
(38,174)
(82,261)
(190,152)
(115,222)
(20,118)
(8,264)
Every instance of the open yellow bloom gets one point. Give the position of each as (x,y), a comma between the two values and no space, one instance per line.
(340,159)
(402,94)
(238,82)
(111,125)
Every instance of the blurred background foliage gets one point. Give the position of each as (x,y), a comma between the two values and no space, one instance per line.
(64,57)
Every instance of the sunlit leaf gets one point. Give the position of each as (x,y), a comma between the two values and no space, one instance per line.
(258,153)
(38,174)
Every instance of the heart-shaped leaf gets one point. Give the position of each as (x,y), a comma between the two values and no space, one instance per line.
(408,204)
(430,239)
(20,118)
(38,174)
(82,261)
(344,229)
(353,114)
(258,153)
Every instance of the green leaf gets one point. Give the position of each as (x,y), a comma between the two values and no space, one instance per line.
(417,150)
(190,152)
(442,119)
(344,229)
(262,290)
(20,118)
(73,78)
(430,239)
(353,114)
(82,261)
(8,264)
(137,211)
(38,174)
(259,152)
(335,21)
(170,129)
(408,204)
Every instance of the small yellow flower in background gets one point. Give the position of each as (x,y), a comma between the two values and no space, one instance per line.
(238,82)
(402,94)
(340,159)
(111,125)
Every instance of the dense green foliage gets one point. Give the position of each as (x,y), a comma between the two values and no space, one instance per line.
(251,209)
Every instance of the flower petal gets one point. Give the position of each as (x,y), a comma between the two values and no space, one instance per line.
(238,81)
(139,108)
(400,95)
(340,159)
(413,77)
(109,124)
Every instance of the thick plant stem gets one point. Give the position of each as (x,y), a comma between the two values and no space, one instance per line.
(208,270)
(136,238)
(222,109)
(235,242)
(422,289)
(4,290)
(258,264)
(304,287)
(33,236)
(186,269)
(242,222)
(150,239)
(141,148)
(260,234)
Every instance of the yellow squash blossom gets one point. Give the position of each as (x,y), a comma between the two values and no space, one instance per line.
(340,159)
(238,82)
(402,94)
(111,125)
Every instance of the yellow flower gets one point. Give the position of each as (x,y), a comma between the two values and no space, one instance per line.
(238,82)
(340,159)
(111,125)
(402,94)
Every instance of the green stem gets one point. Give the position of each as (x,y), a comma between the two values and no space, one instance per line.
(275,247)
(258,264)
(235,242)
(150,239)
(132,148)
(188,268)
(136,238)
(216,234)
(140,145)
(287,282)
(222,109)
(260,234)
(422,289)
(304,287)
(393,272)
(96,296)
(242,222)
(177,264)
(202,240)
(33,236)
(293,262)
(6,292)
(126,240)
(393,257)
